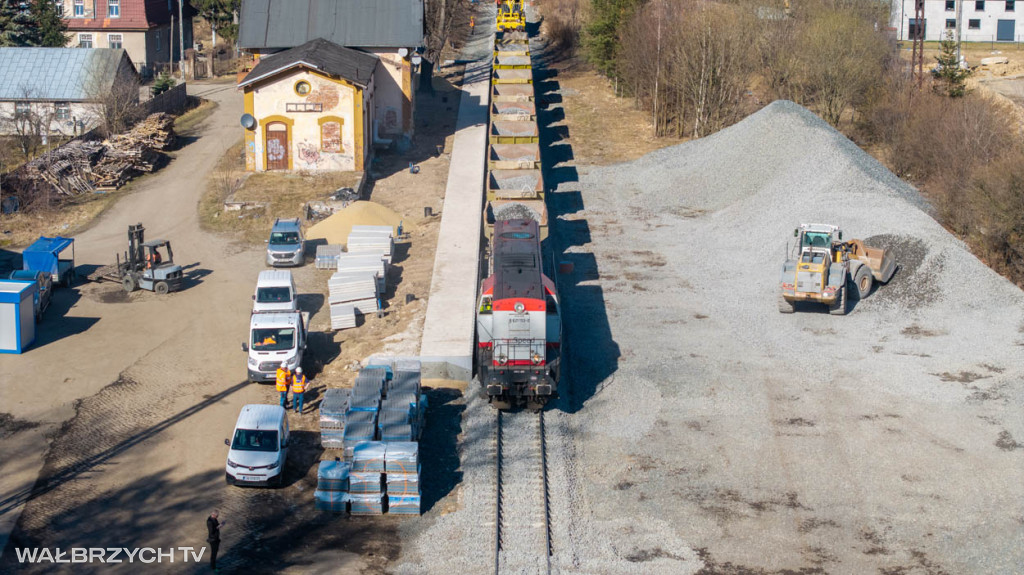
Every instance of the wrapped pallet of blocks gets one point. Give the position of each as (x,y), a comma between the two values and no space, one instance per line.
(332,418)
(367,504)
(365,483)
(327,256)
(403,478)
(336,501)
(333,475)
(369,457)
(356,434)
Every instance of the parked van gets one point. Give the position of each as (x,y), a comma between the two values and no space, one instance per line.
(258,446)
(275,291)
(286,246)
(275,338)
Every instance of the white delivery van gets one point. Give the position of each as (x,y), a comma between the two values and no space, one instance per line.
(275,291)
(258,447)
(275,338)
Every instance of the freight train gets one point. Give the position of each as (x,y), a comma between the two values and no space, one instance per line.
(519,325)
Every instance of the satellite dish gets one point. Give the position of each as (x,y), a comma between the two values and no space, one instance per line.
(416,59)
(403,52)
(248,121)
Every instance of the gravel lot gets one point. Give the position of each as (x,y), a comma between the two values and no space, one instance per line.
(704,432)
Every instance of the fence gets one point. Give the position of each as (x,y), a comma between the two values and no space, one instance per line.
(172,101)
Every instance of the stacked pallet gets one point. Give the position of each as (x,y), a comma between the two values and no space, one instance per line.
(372,240)
(355,288)
(332,418)
(402,477)
(327,256)
(332,486)
(366,484)
(81,166)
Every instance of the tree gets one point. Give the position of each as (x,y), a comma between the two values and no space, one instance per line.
(52,29)
(29,122)
(118,101)
(220,14)
(18,28)
(842,57)
(949,72)
(602,35)
(163,83)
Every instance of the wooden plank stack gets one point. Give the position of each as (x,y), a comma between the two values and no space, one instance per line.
(81,166)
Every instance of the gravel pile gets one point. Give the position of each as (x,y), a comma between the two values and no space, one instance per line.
(770,441)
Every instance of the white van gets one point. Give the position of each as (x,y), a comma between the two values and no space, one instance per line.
(275,339)
(259,446)
(275,291)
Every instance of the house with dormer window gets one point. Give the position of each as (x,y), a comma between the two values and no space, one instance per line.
(142,28)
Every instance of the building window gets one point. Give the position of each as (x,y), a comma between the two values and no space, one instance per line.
(979,5)
(912,28)
(114,40)
(114,8)
(58,5)
(159,44)
(1011,5)
(950,24)
(22,109)
(330,137)
(974,24)
(950,5)
(62,111)
(85,40)
(79,8)
(302,88)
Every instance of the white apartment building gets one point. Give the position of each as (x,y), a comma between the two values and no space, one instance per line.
(979,20)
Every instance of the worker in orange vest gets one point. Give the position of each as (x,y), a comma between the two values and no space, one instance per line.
(284,379)
(298,390)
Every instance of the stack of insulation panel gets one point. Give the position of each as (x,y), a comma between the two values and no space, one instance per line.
(372,240)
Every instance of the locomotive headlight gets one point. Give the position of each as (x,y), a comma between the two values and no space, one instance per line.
(520,308)
(502,359)
(536,359)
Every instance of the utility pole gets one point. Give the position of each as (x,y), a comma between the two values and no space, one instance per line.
(959,27)
(917,56)
(181,39)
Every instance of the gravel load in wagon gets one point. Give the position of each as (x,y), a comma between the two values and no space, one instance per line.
(514,156)
(522,110)
(507,184)
(511,92)
(517,209)
(513,76)
(504,58)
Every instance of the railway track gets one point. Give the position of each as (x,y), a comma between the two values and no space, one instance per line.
(522,537)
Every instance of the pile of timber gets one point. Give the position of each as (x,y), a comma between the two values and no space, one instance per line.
(81,166)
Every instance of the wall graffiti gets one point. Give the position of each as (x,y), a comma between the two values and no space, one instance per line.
(309,155)
(250,155)
(391,120)
(330,136)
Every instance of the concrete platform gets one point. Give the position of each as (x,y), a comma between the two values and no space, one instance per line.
(448,331)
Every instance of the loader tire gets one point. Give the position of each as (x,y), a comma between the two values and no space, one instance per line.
(161,288)
(128,283)
(785,306)
(863,281)
(839,307)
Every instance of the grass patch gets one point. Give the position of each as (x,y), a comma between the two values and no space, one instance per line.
(72,216)
(192,118)
(282,193)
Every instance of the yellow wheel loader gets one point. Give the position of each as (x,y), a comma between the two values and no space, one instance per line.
(823,269)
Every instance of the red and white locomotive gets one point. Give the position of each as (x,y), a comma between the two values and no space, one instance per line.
(519,325)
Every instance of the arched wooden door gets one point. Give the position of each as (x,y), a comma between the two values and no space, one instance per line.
(277,146)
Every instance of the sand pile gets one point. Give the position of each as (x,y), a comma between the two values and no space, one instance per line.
(335,229)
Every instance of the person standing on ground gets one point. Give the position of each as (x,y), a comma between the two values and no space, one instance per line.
(284,379)
(213,525)
(298,390)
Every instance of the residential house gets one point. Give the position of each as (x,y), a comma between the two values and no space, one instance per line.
(59,91)
(141,27)
(976,20)
(314,108)
(389,29)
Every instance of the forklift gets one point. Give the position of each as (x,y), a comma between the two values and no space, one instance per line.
(144,265)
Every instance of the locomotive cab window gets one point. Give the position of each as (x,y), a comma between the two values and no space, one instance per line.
(485,304)
(551,305)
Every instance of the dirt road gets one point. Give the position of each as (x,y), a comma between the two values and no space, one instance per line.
(137,392)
